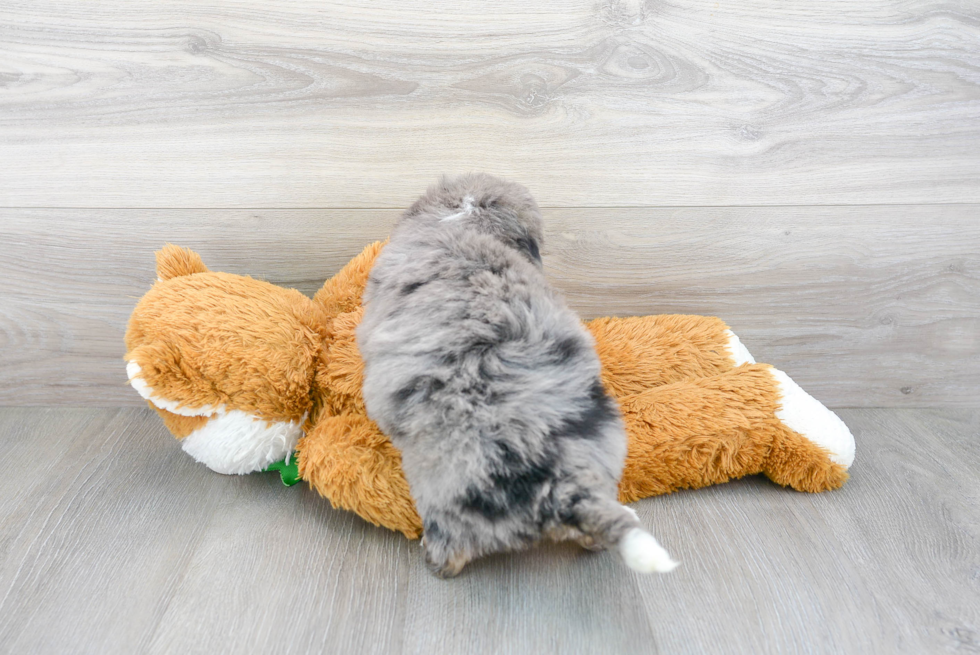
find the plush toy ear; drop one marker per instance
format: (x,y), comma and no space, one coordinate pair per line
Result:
(174,261)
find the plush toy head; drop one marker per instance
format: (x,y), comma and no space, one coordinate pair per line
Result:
(228,361)
(250,376)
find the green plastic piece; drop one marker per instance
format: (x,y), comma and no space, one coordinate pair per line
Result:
(288,472)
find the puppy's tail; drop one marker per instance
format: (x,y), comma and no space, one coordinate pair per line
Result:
(644,554)
(613,524)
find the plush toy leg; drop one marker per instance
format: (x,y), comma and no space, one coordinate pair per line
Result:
(809,427)
(686,434)
(642,352)
(703,431)
(344,455)
(351,463)
(342,293)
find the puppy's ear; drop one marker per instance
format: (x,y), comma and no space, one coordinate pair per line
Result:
(529,246)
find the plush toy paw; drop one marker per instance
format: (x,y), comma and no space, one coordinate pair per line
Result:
(804,414)
(738,352)
(814,448)
(801,412)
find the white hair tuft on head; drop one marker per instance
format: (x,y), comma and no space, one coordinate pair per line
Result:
(467,210)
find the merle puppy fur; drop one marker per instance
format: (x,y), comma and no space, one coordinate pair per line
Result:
(489,385)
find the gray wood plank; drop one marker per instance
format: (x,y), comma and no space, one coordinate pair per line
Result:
(619,102)
(280,572)
(885,565)
(126,545)
(113,541)
(864,306)
(92,524)
(555,599)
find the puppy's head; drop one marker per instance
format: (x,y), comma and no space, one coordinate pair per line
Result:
(487,204)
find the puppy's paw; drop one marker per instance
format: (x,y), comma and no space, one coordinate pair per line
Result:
(444,565)
(589,542)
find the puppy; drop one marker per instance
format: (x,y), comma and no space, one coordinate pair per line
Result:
(489,385)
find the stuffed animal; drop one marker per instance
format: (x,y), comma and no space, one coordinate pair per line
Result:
(254,377)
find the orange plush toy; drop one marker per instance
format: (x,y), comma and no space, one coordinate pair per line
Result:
(252,377)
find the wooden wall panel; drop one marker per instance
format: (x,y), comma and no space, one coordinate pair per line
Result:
(863,306)
(179,103)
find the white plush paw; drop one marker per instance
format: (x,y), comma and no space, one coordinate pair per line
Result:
(740,354)
(803,413)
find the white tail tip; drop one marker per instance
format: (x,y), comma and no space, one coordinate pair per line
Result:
(644,554)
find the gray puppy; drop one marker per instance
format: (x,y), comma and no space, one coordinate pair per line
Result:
(489,385)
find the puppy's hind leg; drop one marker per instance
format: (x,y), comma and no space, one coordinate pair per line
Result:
(444,557)
(445,566)
(589,542)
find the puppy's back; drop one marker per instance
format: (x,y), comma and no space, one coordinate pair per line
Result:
(488,384)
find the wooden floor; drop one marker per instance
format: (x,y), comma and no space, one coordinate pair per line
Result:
(114,541)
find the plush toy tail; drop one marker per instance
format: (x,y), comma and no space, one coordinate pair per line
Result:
(174,261)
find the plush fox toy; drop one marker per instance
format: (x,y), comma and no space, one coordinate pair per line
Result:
(251,377)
